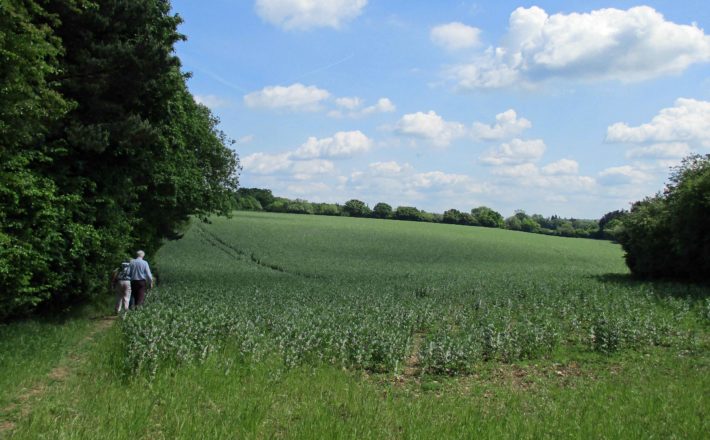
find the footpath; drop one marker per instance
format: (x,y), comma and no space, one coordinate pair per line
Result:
(21,406)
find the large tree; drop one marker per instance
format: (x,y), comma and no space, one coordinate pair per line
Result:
(103,147)
(668,235)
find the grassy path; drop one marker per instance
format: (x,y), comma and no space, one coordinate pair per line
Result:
(19,405)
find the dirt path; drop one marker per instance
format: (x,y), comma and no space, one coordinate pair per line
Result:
(22,405)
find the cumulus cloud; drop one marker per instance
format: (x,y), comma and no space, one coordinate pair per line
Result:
(308,14)
(265,163)
(351,107)
(623,175)
(605,44)
(455,36)
(293,97)
(669,150)
(564,177)
(507,125)
(342,144)
(283,163)
(431,127)
(438,179)
(383,105)
(686,121)
(562,166)
(350,103)
(212,101)
(311,158)
(515,151)
(390,168)
(305,170)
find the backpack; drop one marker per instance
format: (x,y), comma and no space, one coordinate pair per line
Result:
(124,272)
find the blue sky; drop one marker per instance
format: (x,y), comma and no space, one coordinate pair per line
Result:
(555,107)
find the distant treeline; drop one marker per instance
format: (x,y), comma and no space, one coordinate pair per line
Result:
(103,149)
(258,199)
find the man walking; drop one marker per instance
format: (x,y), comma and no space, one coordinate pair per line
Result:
(140,277)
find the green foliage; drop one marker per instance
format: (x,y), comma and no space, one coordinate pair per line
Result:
(667,235)
(263,196)
(247,203)
(358,294)
(407,213)
(327,209)
(382,210)
(485,216)
(356,208)
(103,147)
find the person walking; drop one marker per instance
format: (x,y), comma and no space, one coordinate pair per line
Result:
(121,283)
(140,278)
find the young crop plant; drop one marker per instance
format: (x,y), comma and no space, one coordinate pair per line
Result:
(367,295)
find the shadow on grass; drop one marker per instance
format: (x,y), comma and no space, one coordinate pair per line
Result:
(661,287)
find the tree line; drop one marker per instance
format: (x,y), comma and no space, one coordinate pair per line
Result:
(102,147)
(260,199)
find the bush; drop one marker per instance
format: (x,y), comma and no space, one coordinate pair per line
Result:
(667,235)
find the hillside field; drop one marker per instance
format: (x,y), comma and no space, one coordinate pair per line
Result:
(279,325)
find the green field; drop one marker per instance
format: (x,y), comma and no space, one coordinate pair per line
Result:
(277,325)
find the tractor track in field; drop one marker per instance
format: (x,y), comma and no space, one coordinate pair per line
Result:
(236,253)
(412,365)
(21,407)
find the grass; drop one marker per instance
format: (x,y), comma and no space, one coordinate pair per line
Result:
(250,312)
(31,348)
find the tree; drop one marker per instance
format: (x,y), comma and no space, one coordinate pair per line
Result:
(668,235)
(452,216)
(264,196)
(485,216)
(407,213)
(356,208)
(382,210)
(102,146)
(514,223)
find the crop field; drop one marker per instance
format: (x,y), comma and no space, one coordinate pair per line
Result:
(399,298)
(287,326)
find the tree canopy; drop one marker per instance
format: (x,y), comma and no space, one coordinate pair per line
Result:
(668,235)
(102,147)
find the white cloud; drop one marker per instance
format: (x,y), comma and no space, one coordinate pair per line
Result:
(350,103)
(342,144)
(670,150)
(383,105)
(507,125)
(307,14)
(520,170)
(562,166)
(305,170)
(388,168)
(604,44)
(623,175)
(455,36)
(293,97)
(212,101)
(264,163)
(431,127)
(529,175)
(353,110)
(437,179)
(687,121)
(515,151)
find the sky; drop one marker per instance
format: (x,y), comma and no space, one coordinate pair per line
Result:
(571,108)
